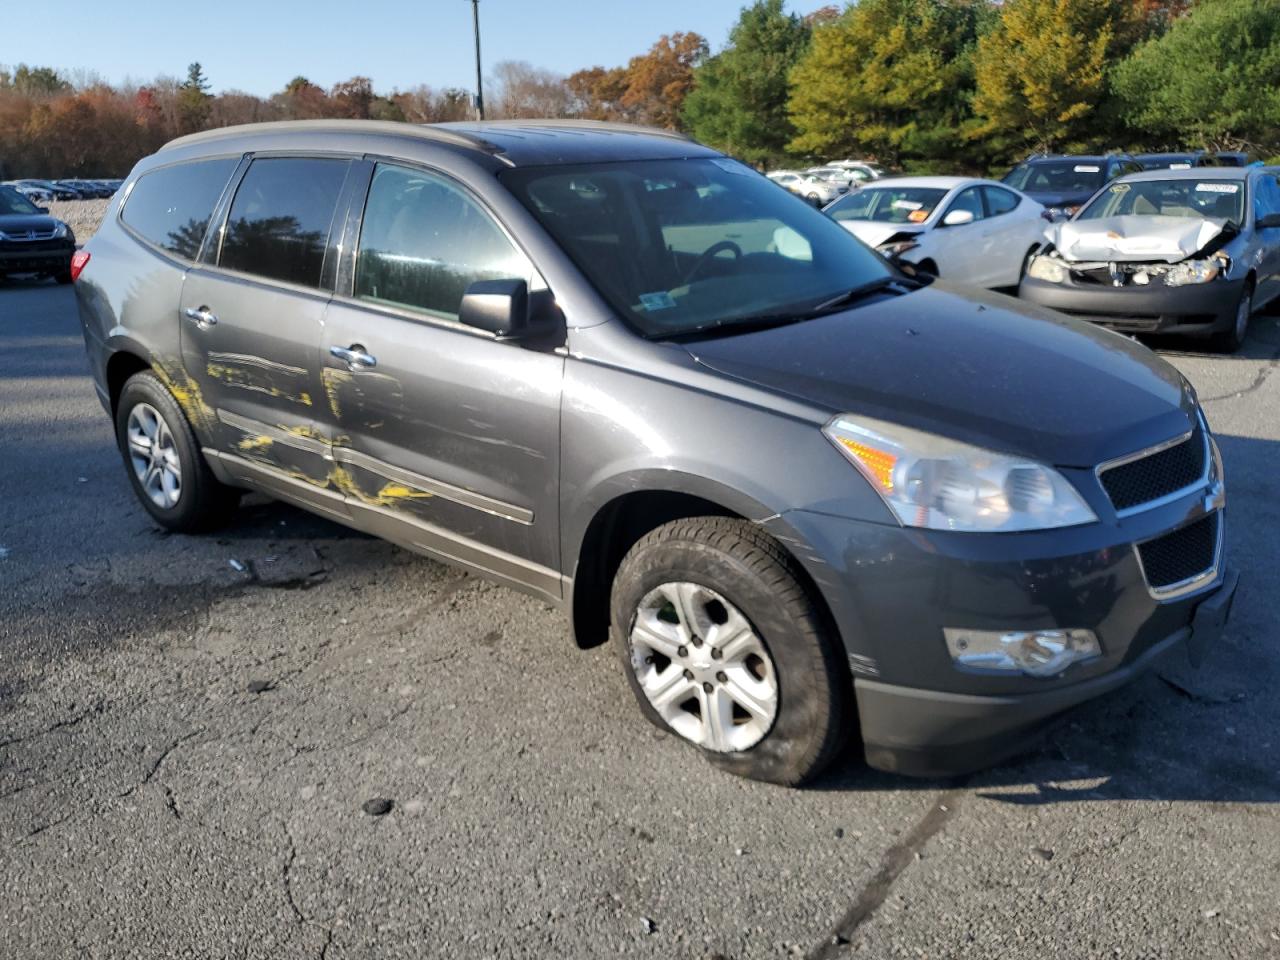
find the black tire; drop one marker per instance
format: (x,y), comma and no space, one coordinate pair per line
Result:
(203,503)
(1232,339)
(751,571)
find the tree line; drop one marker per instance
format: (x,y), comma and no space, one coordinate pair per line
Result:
(915,84)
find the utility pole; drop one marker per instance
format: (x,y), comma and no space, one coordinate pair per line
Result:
(475,19)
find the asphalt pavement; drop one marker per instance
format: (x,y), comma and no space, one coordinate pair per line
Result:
(192,727)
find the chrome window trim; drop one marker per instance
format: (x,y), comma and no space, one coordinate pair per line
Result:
(1182,588)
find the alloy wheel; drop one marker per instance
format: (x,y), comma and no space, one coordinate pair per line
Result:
(154,457)
(703,668)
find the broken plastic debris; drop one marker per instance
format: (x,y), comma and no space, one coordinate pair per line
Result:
(236,565)
(377,806)
(649,925)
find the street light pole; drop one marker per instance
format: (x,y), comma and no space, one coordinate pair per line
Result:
(475,19)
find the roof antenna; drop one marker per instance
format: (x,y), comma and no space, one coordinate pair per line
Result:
(475,19)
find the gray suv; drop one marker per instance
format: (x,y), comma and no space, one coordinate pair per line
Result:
(811,497)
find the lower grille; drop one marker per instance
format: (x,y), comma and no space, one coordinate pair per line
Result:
(1183,555)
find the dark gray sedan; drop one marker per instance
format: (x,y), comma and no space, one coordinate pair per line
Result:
(1193,252)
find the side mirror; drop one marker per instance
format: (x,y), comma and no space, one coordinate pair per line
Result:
(1268,222)
(957,218)
(506,309)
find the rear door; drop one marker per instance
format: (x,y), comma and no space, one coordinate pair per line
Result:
(445,437)
(252,315)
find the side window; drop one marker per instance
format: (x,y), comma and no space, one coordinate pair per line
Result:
(279,222)
(967,200)
(424,241)
(1000,202)
(171,207)
(1266,198)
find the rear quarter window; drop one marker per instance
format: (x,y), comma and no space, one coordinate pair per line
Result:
(170,207)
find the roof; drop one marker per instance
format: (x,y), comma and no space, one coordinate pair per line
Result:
(515,142)
(929,183)
(1195,173)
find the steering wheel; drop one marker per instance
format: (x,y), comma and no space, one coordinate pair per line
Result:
(706,256)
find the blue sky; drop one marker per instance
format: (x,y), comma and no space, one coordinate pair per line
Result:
(259,45)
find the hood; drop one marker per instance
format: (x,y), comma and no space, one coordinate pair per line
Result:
(22,222)
(978,367)
(1048,199)
(872,232)
(1134,237)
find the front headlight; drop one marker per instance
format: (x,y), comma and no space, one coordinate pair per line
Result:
(1047,268)
(897,249)
(940,484)
(1192,271)
(60,230)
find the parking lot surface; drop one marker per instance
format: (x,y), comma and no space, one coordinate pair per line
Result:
(190,728)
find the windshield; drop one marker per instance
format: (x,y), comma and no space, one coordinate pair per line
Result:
(1212,199)
(887,204)
(1167,161)
(12,202)
(1057,176)
(676,246)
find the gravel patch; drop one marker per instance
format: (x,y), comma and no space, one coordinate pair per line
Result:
(83,216)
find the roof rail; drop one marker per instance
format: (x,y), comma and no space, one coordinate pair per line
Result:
(604,126)
(424,131)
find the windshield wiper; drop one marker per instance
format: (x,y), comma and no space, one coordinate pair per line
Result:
(849,297)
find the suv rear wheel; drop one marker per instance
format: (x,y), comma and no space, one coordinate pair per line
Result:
(724,647)
(162,457)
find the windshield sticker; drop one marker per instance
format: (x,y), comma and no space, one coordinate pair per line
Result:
(733,166)
(1217,188)
(1087,168)
(918,216)
(1120,188)
(657,301)
(906,205)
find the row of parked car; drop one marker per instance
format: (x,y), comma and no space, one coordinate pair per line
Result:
(42,191)
(1167,243)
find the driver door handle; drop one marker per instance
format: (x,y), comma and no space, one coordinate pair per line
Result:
(354,356)
(202,317)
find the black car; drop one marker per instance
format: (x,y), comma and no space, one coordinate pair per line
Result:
(31,241)
(1064,183)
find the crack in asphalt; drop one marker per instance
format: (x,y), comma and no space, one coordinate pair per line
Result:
(1258,381)
(286,877)
(892,863)
(159,762)
(97,708)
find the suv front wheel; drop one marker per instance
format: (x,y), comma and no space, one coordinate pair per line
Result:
(162,457)
(724,647)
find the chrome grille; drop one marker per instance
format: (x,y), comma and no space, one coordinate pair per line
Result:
(1157,474)
(1177,559)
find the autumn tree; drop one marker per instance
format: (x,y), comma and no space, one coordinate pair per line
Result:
(597,92)
(523,90)
(1213,80)
(888,79)
(351,99)
(1042,71)
(739,97)
(302,100)
(658,81)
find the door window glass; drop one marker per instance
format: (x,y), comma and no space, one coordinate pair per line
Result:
(1266,196)
(967,200)
(1000,201)
(279,222)
(424,241)
(170,207)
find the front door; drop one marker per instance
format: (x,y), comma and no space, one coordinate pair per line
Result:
(964,247)
(446,439)
(252,317)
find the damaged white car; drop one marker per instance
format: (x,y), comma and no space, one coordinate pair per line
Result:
(1192,252)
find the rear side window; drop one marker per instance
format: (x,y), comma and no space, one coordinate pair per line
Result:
(1000,201)
(279,222)
(424,241)
(171,207)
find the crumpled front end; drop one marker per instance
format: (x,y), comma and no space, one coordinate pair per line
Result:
(1141,273)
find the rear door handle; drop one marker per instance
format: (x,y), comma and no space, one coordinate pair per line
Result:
(354,356)
(202,317)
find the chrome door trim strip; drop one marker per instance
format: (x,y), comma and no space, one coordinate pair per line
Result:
(276,434)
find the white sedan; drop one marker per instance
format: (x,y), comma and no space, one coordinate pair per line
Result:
(815,189)
(975,231)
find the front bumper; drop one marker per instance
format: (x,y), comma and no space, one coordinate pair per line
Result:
(36,257)
(927,733)
(892,591)
(1194,309)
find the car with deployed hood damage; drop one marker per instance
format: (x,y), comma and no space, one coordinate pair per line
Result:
(1192,252)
